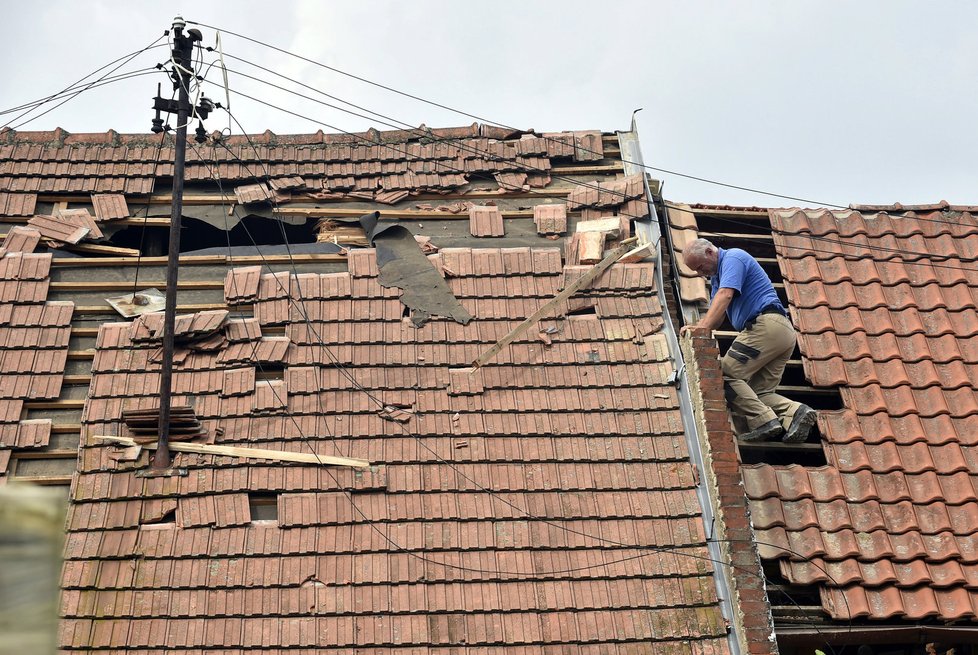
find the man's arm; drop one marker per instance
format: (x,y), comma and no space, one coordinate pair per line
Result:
(714,315)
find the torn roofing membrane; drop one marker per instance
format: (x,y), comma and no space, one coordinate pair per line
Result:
(404,266)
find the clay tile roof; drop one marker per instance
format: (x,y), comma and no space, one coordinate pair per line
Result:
(582,431)
(110,206)
(890,521)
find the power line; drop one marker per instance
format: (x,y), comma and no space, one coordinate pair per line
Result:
(509,127)
(488,156)
(895,251)
(125,60)
(109,80)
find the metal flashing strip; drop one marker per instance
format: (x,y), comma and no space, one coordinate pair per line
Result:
(631,155)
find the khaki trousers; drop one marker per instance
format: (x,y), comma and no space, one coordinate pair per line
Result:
(752,370)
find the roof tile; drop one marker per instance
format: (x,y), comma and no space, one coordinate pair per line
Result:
(110,206)
(486,221)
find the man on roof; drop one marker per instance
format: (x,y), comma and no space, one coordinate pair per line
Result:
(754,363)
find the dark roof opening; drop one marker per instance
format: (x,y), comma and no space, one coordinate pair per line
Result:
(263,506)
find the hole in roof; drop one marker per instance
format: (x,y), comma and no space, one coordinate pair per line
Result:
(200,235)
(263,506)
(586,310)
(270,371)
(168,518)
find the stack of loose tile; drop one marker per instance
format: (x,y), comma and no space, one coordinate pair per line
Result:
(683,229)
(143,424)
(550,219)
(885,303)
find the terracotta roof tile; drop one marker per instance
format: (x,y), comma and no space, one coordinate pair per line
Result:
(110,207)
(239,381)
(80,218)
(17,204)
(550,219)
(58,230)
(486,221)
(21,239)
(624,453)
(241,285)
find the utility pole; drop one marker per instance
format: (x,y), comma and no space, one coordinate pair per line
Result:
(181,73)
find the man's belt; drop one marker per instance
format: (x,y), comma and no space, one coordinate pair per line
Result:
(768,309)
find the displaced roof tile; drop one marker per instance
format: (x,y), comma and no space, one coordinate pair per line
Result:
(110,206)
(486,221)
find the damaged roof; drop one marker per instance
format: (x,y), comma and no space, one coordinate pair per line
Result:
(543,502)
(469,527)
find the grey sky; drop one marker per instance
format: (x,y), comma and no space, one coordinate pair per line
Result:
(835,101)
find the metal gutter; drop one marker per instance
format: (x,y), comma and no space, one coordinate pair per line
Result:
(650,232)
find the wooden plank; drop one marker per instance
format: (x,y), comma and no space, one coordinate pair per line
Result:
(46,480)
(247,453)
(187,285)
(569,291)
(96,249)
(47,454)
(386,214)
(746,213)
(781,446)
(183,309)
(198,260)
(54,404)
(143,222)
(733,235)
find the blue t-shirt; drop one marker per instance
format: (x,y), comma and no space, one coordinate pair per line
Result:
(739,271)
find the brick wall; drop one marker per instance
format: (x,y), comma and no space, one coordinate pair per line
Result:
(733,528)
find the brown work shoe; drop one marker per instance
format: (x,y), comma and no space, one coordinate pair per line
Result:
(801,425)
(770,430)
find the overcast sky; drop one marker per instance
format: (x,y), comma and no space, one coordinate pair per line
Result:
(837,102)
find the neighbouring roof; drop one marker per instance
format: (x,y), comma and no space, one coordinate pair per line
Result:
(885,301)
(592,539)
